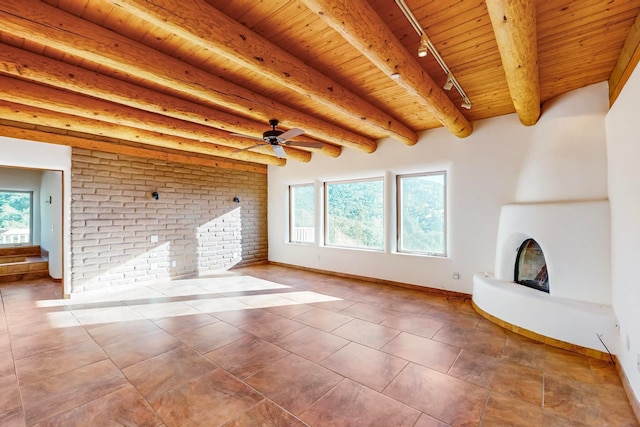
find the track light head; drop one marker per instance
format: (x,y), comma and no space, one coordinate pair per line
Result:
(423,47)
(466,104)
(449,83)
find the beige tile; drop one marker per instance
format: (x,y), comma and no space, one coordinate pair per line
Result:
(423,351)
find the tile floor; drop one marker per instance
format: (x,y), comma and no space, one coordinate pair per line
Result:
(273,346)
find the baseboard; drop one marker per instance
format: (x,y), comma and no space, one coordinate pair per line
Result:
(633,399)
(427,289)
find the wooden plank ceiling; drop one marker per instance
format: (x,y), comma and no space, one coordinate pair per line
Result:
(177,79)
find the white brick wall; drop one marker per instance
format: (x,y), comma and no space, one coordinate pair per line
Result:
(199,227)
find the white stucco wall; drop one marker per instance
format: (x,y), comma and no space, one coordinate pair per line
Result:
(482,176)
(35,155)
(484,173)
(623,152)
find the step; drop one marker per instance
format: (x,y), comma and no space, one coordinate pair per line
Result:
(16,268)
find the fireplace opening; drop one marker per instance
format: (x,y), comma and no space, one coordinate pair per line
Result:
(531,267)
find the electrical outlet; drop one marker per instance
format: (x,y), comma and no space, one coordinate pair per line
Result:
(173,263)
(154,239)
(456,275)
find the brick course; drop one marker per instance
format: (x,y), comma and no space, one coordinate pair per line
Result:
(199,227)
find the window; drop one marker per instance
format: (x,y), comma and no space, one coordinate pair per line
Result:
(302,209)
(354,214)
(422,213)
(15,217)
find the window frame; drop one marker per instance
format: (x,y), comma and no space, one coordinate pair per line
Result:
(326,185)
(31,215)
(399,205)
(292,215)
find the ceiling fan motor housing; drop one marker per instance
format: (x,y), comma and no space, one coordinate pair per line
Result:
(271,136)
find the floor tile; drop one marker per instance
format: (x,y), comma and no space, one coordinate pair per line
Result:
(369,312)
(266,413)
(590,404)
(290,311)
(427,421)
(440,396)
(351,403)
(453,318)
(212,399)
(138,349)
(246,356)
(524,351)
(210,337)
(6,363)
(365,365)
(367,333)
(312,344)
(9,393)
(571,365)
(271,327)
(281,383)
(47,340)
(13,418)
(46,364)
(180,324)
(423,351)
(166,371)
(326,320)
(507,411)
(113,332)
(125,407)
(472,340)
(416,325)
(54,395)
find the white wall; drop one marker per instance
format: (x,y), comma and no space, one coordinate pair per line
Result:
(492,167)
(623,152)
(36,155)
(18,179)
(51,220)
(482,176)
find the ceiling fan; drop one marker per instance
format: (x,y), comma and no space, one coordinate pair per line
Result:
(277,139)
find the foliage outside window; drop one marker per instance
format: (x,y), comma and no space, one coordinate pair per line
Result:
(15,217)
(302,213)
(422,213)
(354,214)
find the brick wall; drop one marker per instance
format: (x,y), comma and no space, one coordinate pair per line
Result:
(198,226)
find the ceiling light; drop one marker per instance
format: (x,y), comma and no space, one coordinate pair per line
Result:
(466,104)
(449,83)
(395,76)
(423,48)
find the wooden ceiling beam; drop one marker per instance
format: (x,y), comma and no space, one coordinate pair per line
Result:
(359,24)
(35,68)
(49,26)
(237,43)
(514,24)
(115,148)
(42,117)
(54,100)
(627,61)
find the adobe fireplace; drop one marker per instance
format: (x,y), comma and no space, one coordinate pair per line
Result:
(572,273)
(531,267)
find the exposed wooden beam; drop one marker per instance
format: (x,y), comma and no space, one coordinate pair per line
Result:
(108,147)
(192,21)
(54,100)
(48,26)
(36,68)
(41,117)
(627,61)
(359,24)
(514,25)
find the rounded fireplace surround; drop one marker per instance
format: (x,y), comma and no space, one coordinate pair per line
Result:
(575,240)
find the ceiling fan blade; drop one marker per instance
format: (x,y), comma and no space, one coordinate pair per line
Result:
(246,136)
(247,148)
(291,133)
(279,151)
(306,144)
